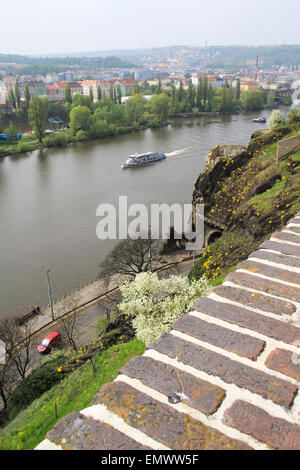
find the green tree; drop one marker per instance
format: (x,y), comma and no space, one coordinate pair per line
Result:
(91,95)
(26,92)
(99,93)
(119,94)
(136,89)
(111,92)
(81,100)
(135,108)
(252,100)
(238,90)
(160,106)
(79,118)
(181,92)
(17,95)
(11,97)
(37,116)
(271,99)
(199,94)
(205,89)
(11,133)
(1,120)
(191,93)
(68,94)
(159,87)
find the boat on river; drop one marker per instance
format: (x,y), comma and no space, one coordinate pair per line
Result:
(261,119)
(143,159)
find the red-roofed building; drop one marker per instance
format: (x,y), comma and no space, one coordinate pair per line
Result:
(246,86)
(52,93)
(75,87)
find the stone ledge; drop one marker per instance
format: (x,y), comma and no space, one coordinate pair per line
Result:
(276,432)
(164,378)
(235,341)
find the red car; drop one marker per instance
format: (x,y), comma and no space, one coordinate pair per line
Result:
(47,344)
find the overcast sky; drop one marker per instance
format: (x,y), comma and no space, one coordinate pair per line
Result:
(52,26)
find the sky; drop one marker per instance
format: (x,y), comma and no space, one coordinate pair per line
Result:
(61,26)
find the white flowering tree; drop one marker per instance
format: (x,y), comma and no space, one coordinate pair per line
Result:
(154,304)
(275,120)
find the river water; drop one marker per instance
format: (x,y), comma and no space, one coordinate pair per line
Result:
(48,200)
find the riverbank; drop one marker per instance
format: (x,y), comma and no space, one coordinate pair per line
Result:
(64,138)
(28,143)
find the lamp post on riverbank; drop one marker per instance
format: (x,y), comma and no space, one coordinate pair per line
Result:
(50,294)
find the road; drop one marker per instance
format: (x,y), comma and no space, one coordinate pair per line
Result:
(87,317)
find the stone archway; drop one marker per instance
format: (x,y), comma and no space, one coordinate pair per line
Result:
(212,236)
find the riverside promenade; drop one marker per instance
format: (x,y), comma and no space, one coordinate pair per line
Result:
(84,297)
(225,377)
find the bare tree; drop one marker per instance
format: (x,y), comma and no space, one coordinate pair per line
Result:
(131,257)
(69,321)
(5,375)
(109,306)
(18,341)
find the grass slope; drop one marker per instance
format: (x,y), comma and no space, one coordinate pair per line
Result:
(74,393)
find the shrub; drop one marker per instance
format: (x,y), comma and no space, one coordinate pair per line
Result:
(294,116)
(100,128)
(154,304)
(40,380)
(81,135)
(154,121)
(56,140)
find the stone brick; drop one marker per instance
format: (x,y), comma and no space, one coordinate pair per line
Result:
(265,285)
(230,371)
(168,380)
(283,248)
(247,319)
(275,432)
(289,237)
(78,432)
(271,271)
(278,258)
(294,229)
(243,345)
(295,220)
(286,362)
(255,300)
(162,422)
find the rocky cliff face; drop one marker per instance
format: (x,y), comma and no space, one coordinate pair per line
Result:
(251,193)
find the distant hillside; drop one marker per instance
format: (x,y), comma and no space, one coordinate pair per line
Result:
(228,57)
(69,61)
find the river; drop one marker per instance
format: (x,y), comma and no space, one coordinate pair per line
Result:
(48,199)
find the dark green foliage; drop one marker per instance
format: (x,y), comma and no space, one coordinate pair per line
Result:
(56,140)
(41,379)
(67,94)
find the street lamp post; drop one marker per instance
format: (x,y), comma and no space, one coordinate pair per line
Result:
(50,294)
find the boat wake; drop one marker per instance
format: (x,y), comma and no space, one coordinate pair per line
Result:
(179,152)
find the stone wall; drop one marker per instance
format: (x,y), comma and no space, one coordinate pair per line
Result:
(288,146)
